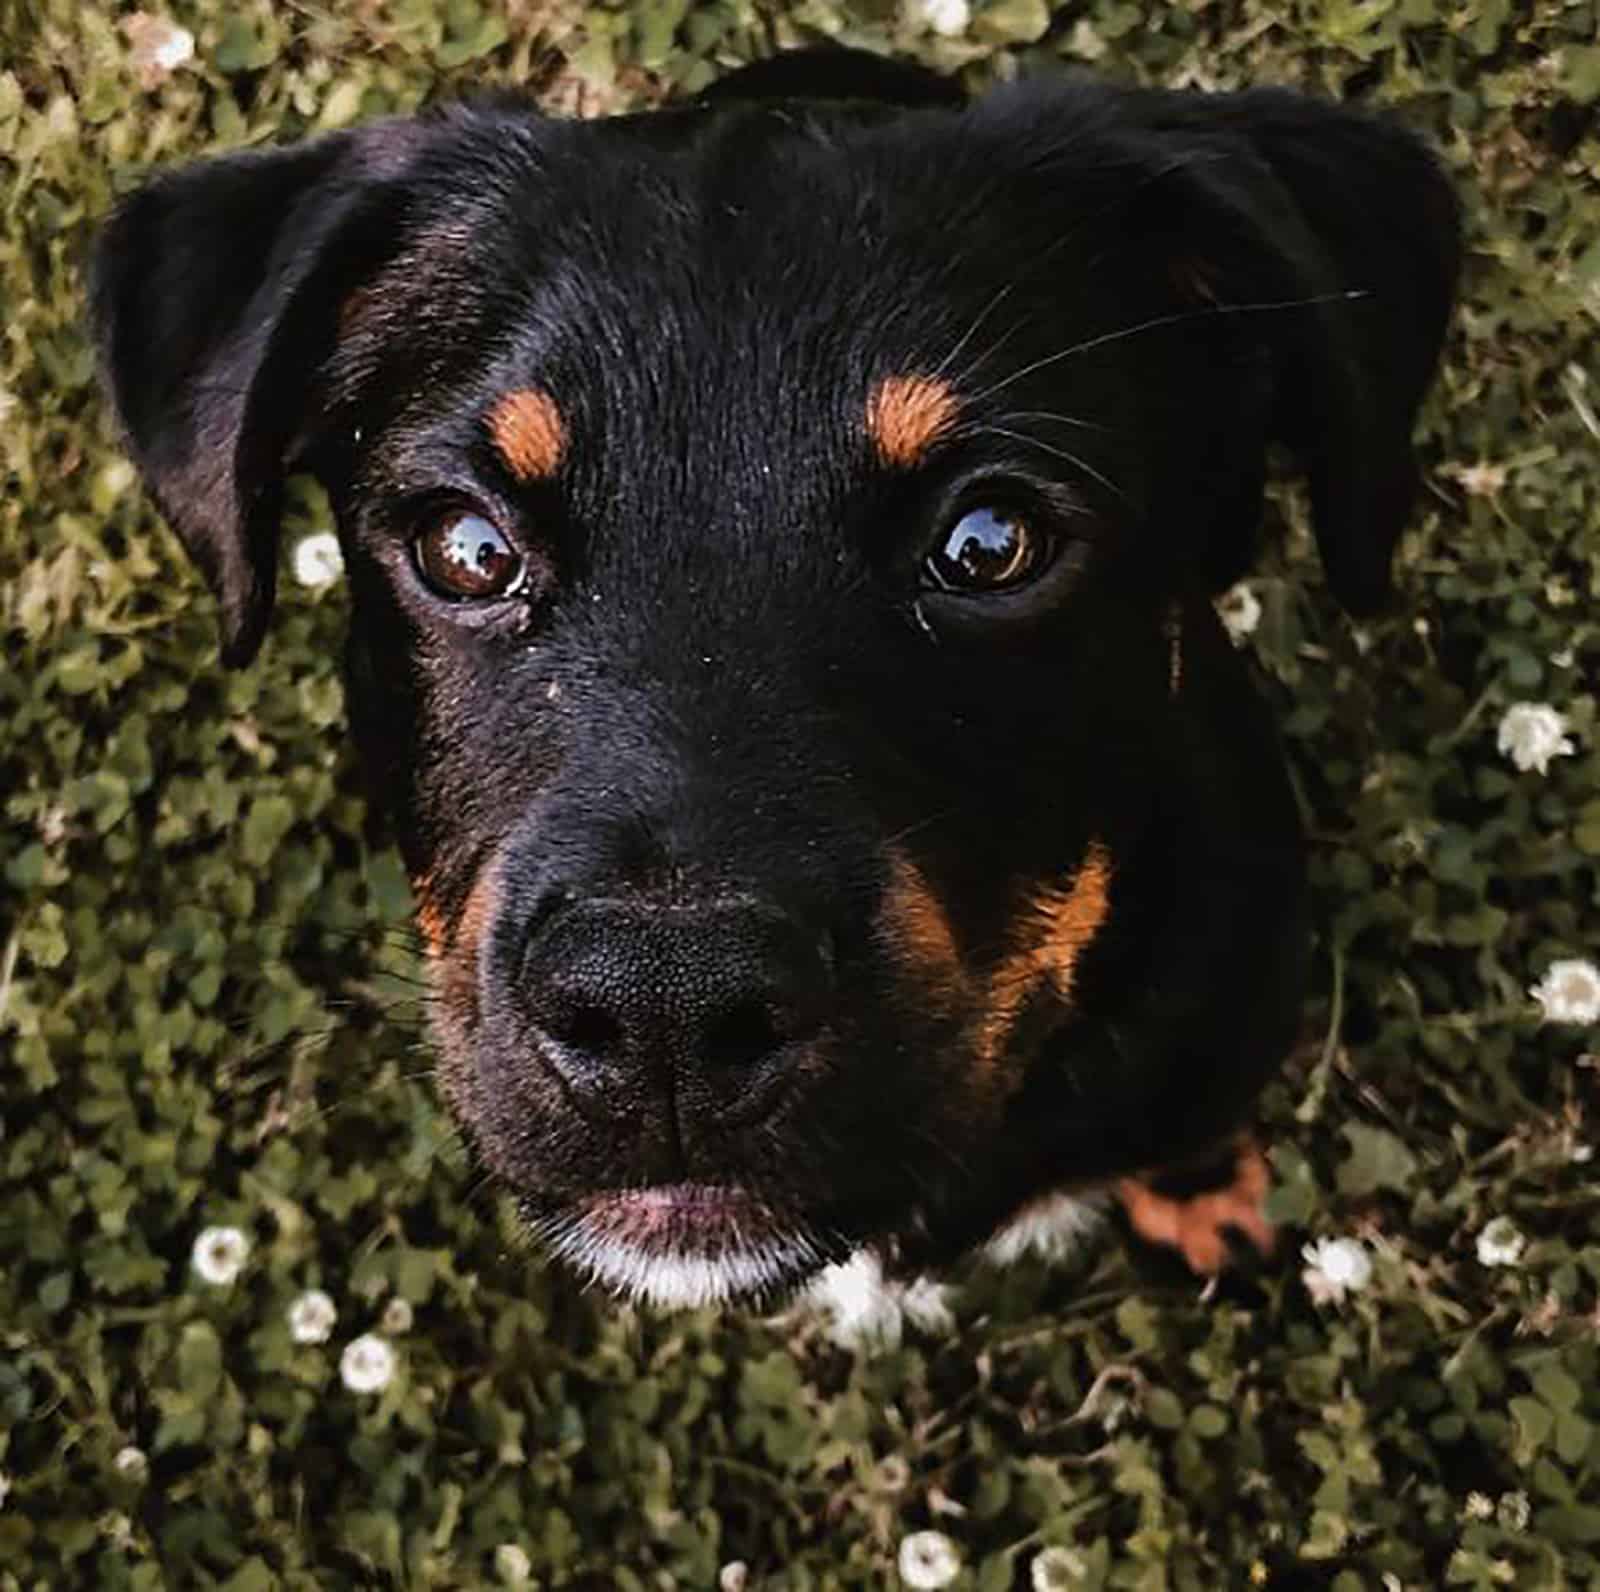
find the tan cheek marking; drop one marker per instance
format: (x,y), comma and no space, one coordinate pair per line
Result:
(1063,922)
(459,969)
(906,415)
(430,920)
(529,433)
(914,924)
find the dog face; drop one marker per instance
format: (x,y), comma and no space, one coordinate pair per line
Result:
(778,534)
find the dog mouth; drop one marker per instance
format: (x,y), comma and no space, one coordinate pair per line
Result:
(681,1246)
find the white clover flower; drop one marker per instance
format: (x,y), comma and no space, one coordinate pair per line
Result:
(1239,609)
(949,18)
(397,1317)
(1057,1570)
(1569,992)
(1531,733)
(157,46)
(512,1564)
(1512,1512)
(317,560)
(131,1462)
(219,1255)
(928,1559)
(1500,1243)
(1335,1267)
(734,1576)
(367,1364)
(861,1309)
(1479,1506)
(312,1317)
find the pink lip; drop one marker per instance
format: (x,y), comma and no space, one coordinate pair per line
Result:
(675,1212)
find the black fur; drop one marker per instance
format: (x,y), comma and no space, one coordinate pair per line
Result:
(737,688)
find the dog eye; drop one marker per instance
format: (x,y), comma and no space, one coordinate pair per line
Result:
(987,549)
(463,555)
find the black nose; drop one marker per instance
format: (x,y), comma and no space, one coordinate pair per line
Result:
(713,1000)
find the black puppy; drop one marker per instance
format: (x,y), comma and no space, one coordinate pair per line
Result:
(782,533)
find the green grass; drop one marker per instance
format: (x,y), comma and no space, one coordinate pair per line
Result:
(207,1013)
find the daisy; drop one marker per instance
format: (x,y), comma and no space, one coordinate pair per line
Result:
(1057,1570)
(928,1559)
(317,560)
(1569,992)
(219,1255)
(367,1364)
(1531,733)
(1335,1267)
(1500,1243)
(311,1317)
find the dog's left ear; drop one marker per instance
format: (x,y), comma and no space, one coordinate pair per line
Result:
(1326,241)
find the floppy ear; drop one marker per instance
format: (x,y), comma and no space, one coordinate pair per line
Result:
(209,343)
(1347,221)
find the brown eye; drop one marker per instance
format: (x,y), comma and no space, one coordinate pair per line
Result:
(987,549)
(463,555)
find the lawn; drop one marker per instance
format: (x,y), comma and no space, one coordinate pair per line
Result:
(209,1013)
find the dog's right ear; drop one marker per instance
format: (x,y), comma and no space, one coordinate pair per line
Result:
(210,342)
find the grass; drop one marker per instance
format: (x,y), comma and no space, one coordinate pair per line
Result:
(207,996)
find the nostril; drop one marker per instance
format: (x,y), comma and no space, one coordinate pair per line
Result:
(591,1030)
(741,1035)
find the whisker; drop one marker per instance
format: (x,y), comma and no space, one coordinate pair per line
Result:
(1155,323)
(1060,453)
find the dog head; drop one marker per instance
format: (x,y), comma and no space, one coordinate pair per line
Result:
(764,523)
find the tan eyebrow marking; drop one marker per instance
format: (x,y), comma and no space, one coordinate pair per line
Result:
(906,415)
(528,433)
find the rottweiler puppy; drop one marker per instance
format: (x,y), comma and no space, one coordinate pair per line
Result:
(782,533)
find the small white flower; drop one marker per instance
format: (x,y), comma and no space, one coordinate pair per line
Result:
(1239,609)
(131,1462)
(950,18)
(396,1317)
(1512,1511)
(312,1316)
(734,1576)
(1569,992)
(5,1487)
(219,1255)
(157,46)
(317,560)
(1479,1506)
(1500,1243)
(861,1309)
(512,1564)
(1581,1154)
(1335,1267)
(1057,1570)
(367,1364)
(1531,733)
(928,1559)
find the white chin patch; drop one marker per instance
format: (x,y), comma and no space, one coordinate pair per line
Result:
(680,1279)
(1056,1228)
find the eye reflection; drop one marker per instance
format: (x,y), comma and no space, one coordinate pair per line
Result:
(987,549)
